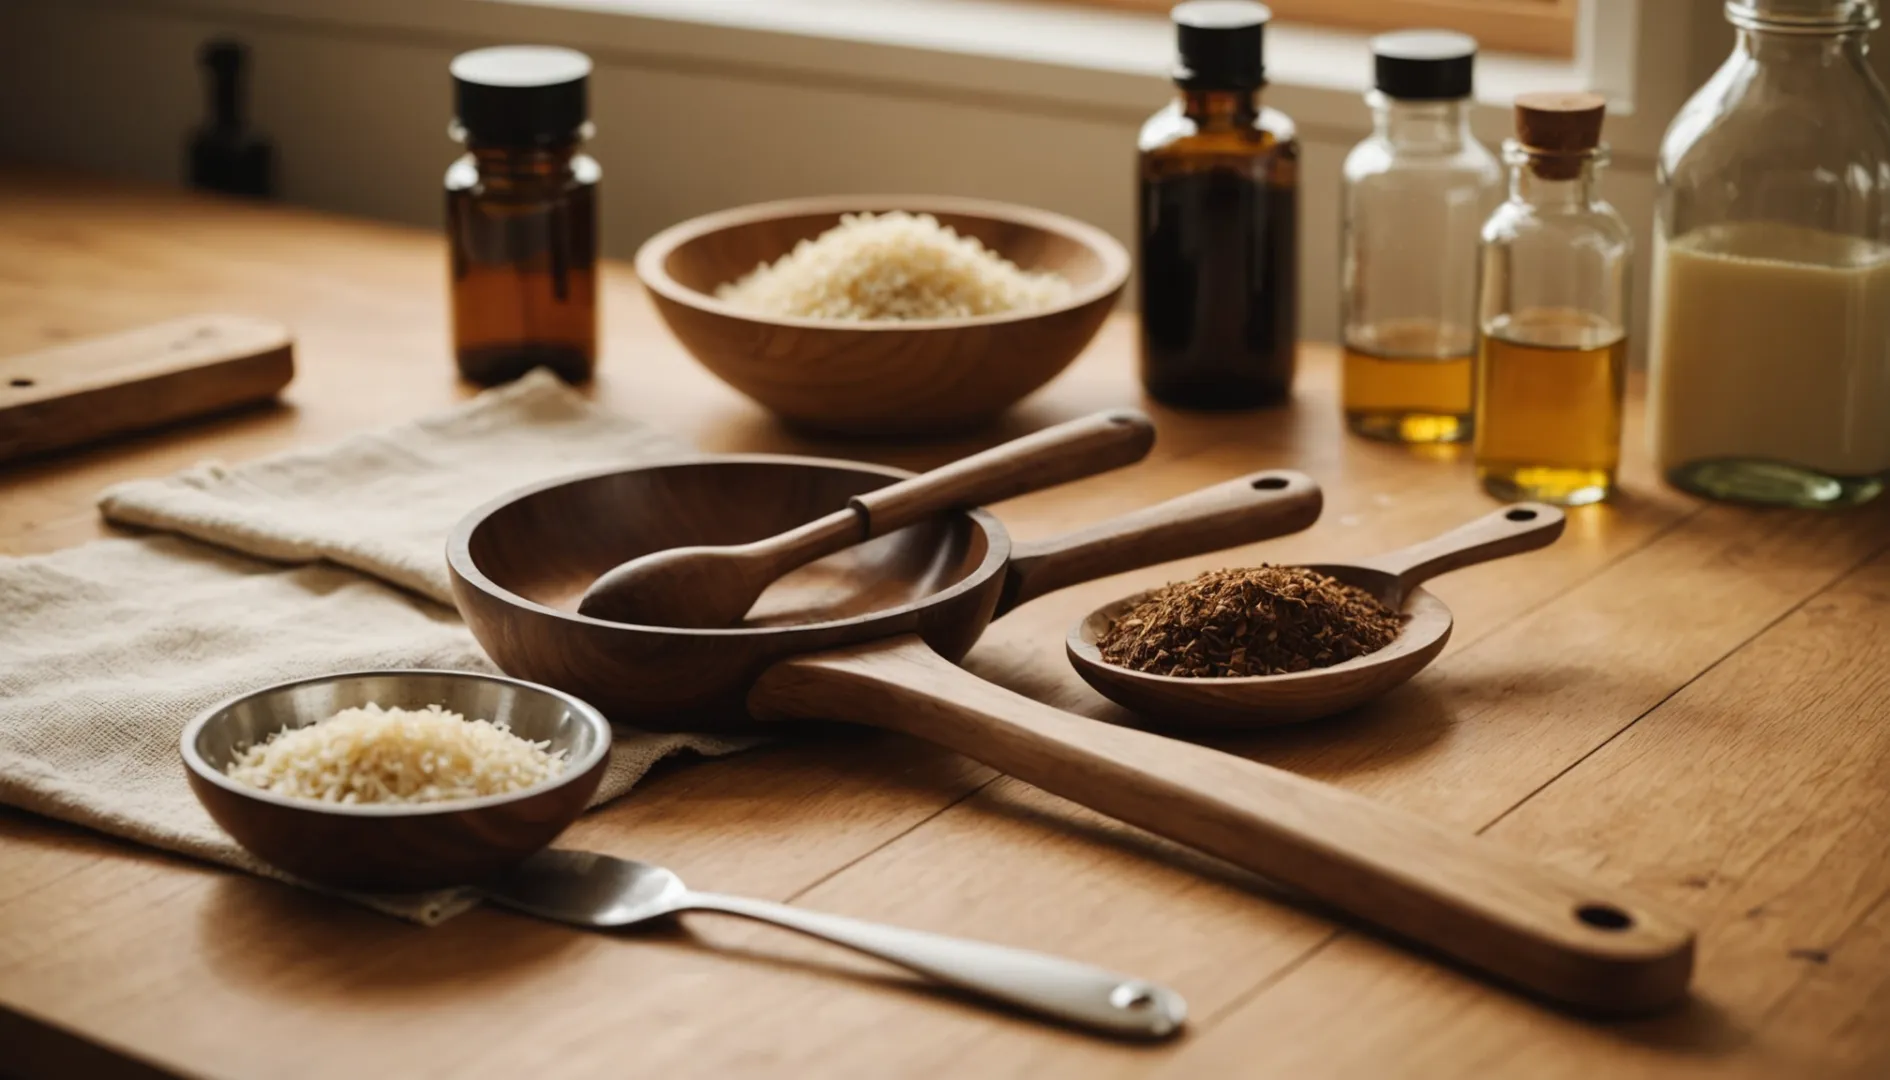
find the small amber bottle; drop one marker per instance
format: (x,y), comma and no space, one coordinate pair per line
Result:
(1217,226)
(521,215)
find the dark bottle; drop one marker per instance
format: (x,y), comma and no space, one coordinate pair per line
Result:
(226,154)
(1218,221)
(521,215)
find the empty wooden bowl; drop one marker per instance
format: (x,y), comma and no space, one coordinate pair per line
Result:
(407,846)
(871,378)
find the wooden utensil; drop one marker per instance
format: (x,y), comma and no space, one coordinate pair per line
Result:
(886,377)
(1265,700)
(925,595)
(715,585)
(85,391)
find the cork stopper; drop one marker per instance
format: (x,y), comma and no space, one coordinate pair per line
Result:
(1559,130)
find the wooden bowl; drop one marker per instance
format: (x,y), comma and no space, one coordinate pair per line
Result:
(880,378)
(400,847)
(1225,704)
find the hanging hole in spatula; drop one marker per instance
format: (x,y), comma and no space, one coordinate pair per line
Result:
(22,383)
(1604,916)
(1270,483)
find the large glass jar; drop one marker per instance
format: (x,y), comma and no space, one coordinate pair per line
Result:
(1770,361)
(1414,196)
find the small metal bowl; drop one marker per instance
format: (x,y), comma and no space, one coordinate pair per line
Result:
(397,847)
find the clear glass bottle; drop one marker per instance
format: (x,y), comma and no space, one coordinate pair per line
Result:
(521,215)
(1218,222)
(1552,313)
(1770,359)
(1415,194)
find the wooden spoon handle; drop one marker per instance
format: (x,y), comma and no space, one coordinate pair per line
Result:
(1582,944)
(1055,455)
(1509,531)
(1244,510)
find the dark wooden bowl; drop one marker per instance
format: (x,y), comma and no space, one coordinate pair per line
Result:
(397,848)
(880,378)
(520,563)
(1234,704)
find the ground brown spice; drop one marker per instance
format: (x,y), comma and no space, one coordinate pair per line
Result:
(1270,620)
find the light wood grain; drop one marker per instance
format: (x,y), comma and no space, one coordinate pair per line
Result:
(1553,656)
(881,378)
(86,391)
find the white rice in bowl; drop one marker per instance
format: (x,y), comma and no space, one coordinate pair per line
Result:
(892,267)
(375,755)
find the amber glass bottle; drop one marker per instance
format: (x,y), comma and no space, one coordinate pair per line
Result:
(521,215)
(1218,221)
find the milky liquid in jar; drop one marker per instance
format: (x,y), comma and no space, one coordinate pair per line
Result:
(1771,360)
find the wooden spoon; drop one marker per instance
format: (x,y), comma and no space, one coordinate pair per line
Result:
(1265,700)
(710,586)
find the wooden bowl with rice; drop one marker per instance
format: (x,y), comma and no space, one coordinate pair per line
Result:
(896,329)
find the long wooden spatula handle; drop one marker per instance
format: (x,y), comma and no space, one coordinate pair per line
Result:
(1580,943)
(1244,510)
(1055,455)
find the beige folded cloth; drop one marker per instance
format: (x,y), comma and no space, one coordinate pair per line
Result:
(108,649)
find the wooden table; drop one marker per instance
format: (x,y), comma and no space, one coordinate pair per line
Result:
(1690,699)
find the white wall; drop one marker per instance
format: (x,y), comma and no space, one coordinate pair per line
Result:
(357,99)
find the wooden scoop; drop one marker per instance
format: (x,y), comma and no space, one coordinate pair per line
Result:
(1265,700)
(711,586)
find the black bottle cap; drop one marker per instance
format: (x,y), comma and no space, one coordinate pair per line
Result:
(521,95)
(1222,44)
(1424,65)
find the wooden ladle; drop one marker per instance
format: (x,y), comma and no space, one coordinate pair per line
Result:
(715,585)
(1265,700)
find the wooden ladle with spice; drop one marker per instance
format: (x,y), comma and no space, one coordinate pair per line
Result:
(1275,645)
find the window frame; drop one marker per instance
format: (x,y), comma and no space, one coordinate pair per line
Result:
(1537,27)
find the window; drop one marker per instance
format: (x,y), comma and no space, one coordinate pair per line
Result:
(1533,26)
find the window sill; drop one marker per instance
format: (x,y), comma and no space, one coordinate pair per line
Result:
(1043,56)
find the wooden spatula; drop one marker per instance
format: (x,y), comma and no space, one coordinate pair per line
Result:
(85,391)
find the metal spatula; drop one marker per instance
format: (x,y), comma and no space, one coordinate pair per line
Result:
(600,891)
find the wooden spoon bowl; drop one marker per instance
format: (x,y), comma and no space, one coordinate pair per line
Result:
(1268,700)
(882,377)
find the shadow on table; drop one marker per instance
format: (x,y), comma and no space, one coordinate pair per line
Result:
(339,948)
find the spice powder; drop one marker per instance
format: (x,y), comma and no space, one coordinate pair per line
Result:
(1270,620)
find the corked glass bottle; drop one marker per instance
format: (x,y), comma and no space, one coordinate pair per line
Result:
(1218,221)
(521,215)
(1552,310)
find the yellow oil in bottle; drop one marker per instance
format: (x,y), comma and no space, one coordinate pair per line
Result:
(1408,381)
(1549,385)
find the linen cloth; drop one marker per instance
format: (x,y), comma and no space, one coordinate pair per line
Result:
(305,563)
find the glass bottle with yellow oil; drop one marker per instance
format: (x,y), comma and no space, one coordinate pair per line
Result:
(1552,313)
(1414,195)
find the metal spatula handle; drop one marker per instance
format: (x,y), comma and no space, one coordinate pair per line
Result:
(1063,989)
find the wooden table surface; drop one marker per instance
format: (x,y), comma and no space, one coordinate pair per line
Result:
(1692,700)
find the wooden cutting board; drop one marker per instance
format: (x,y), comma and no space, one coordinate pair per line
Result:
(84,391)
